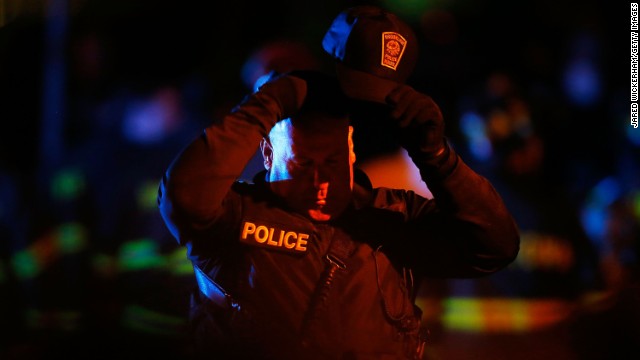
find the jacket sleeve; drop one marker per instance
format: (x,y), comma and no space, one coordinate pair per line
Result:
(194,186)
(466,229)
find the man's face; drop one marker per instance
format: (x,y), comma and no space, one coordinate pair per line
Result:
(311,167)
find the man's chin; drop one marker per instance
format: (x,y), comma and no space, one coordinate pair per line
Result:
(318,215)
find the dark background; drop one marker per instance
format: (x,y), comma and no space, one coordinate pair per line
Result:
(73,74)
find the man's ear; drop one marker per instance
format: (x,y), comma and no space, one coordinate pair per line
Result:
(267,153)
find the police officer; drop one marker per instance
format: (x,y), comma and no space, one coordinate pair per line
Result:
(309,260)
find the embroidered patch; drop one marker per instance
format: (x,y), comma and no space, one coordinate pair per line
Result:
(274,236)
(393,45)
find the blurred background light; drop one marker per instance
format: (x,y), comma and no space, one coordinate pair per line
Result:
(582,79)
(473,127)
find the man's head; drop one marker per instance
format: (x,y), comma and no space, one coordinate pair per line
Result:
(309,160)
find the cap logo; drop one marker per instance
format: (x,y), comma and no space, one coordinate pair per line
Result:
(393,45)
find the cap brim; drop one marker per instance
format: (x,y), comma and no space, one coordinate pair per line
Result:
(363,86)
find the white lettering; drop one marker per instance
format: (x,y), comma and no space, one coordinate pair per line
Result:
(634,66)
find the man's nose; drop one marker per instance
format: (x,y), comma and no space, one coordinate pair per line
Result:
(320,177)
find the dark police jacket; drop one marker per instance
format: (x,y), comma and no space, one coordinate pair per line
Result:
(284,301)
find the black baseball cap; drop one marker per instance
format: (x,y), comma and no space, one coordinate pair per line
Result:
(375,51)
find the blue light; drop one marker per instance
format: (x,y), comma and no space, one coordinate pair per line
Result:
(582,82)
(594,223)
(150,119)
(633,134)
(606,192)
(474,129)
(261,81)
(595,214)
(472,124)
(481,149)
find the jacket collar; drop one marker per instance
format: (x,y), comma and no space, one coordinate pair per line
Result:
(362,195)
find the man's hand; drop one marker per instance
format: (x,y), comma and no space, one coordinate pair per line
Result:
(420,121)
(286,91)
(301,90)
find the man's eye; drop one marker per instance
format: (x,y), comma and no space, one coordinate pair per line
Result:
(333,161)
(303,163)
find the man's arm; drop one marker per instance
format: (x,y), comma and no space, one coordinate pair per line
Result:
(475,233)
(196,182)
(472,233)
